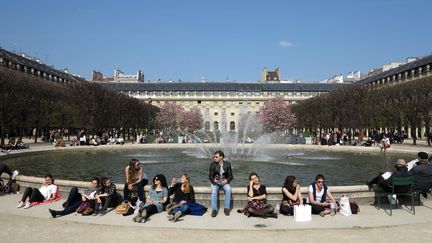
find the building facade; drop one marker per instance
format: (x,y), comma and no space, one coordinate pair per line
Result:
(25,64)
(221,104)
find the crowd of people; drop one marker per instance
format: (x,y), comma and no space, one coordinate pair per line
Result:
(102,194)
(14,143)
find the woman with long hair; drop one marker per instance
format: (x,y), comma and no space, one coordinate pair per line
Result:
(183,195)
(157,198)
(291,195)
(257,198)
(135,177)
(106,198)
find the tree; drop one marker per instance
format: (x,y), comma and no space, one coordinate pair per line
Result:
(191,120)
(276,115)
(169,117)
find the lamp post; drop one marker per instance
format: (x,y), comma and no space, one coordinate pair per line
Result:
(148,116)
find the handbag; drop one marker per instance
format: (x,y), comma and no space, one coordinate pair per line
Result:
(83,206)
(345,207)
(88,211)
(302,213)
(355,209)
(123,207)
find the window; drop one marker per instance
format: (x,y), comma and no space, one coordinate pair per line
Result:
(199,101)
(207,126)
(232,126)
(216,114)
(207,111)
(232,114)
(215,126)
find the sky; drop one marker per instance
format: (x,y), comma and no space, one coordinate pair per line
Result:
(225,39)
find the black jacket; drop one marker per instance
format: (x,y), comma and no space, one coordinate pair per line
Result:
(215,171)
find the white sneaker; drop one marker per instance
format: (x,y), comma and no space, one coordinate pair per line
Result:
(27,205)
(14,174)
(20,204)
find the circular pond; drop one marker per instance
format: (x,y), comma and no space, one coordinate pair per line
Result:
(340,168)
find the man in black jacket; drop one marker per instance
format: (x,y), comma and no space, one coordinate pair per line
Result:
(220,175)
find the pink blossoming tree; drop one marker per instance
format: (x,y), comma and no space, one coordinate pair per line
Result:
(169,117)
(191,120)
(276,115)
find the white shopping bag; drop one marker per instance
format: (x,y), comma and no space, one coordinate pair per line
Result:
(302,213)
(345,208)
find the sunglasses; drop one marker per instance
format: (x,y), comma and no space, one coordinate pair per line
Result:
(320,182)
(156,179)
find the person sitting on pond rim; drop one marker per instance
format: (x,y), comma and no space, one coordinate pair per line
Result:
(257,198)
(107,197)
(220,176)
(291,195)
(135,178)
(318,193)
(157,198)
(12,176)
(75,199)
(47,191)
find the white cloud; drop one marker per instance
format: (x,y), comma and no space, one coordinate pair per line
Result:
(285,44)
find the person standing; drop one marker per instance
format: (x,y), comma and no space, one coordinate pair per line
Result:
(220,176)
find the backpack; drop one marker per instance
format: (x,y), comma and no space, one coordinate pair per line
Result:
(354,207)
(123,207)
(12,187)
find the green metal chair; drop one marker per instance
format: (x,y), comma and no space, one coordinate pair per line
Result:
(401,181)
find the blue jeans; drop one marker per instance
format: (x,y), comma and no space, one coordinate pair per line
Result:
(214,195)
(183,209)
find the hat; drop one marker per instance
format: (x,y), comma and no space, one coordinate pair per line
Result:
(422,155)
(401,162)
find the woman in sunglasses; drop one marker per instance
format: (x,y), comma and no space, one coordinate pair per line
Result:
(157,198)
(320,198)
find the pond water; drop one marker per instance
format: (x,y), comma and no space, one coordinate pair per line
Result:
(339,168)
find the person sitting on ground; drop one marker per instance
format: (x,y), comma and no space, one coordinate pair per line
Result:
(183,195)
(74,142)
(120,140)
(12,176)
(383,180)
(257,198)
(157,198)
(47,191)
(20,144)
(318,193)
(60,143)
(368,143)
(8,147)
(82,138)
(75,199)
(291,196)
(135,178)
(106,198)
